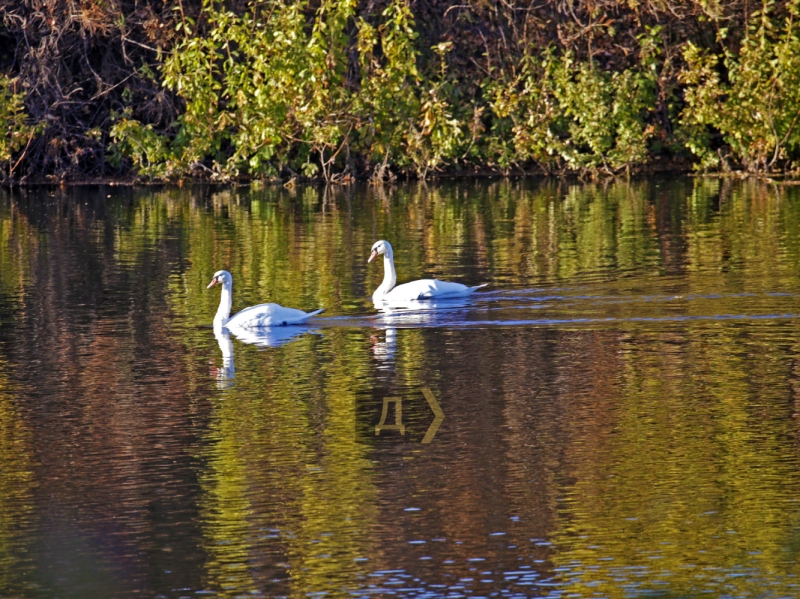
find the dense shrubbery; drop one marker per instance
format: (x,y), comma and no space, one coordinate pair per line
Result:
(560,112)
(16,132)
(338,89)
(751,96)
(267,93)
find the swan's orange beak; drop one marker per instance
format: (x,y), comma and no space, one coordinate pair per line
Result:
(213,282)
(372,256)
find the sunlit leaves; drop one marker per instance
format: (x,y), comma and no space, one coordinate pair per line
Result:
(15,129)
(267,93)
(561,112)
(288,89)
(756,106)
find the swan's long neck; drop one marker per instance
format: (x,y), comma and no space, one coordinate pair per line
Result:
(225,304)
(389,275)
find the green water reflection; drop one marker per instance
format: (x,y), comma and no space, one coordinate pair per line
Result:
(621,404)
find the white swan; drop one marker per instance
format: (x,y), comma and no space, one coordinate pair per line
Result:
(422,289)
(255,317)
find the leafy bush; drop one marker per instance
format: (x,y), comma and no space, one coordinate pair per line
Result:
(16,131)
(405,118)
(339,88)
(266,94)
(148,150)
(566,113)
(571,114)
(291,88)
(750,96)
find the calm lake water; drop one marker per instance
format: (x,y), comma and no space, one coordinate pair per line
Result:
(621,403)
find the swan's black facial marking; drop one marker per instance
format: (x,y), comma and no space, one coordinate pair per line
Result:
(378,249)
(221,278)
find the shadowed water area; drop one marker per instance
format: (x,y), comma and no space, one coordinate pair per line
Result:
(620,403)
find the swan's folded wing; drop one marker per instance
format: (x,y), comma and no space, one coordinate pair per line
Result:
(409,292)
(266,315)
(448,289)
(426,289)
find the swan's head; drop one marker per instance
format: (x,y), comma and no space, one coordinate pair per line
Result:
(223,277)
(380,247)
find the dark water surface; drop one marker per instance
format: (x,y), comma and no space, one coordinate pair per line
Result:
(620,404)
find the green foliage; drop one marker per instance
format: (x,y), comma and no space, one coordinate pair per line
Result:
(16,132)
(148,150)
(565,113)
(261,91)
(336,89)
(388,97)
(293,89)
(405,117)
(266,93)
(757,106)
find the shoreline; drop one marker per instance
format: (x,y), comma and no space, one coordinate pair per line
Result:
(785,179)
(659,166)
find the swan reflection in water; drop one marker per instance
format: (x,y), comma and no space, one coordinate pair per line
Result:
(411,314)
(226,374)
(421,312)
(384,350)
(263,337)
(271,336)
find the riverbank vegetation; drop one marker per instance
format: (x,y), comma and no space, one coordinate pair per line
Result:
(379,89)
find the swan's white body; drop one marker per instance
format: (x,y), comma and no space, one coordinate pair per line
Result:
(422,289)
(255,317)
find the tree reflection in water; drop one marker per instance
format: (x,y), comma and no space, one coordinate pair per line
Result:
(633,432)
